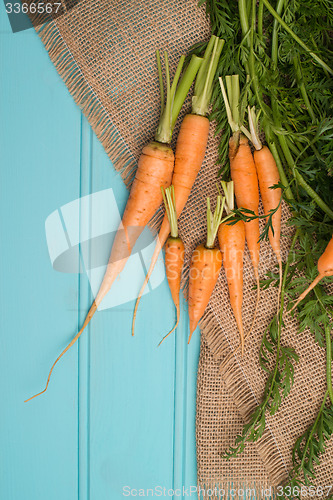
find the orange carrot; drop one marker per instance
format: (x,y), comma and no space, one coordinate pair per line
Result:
(190,151)
(205,267)
(174,252)
(268,176)
(243,171)
(190,148)
(325,268)
(155,167)
(232,244)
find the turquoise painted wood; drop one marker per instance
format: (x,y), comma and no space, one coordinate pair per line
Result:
(119,412)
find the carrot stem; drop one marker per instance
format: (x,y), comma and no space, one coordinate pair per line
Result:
(250,68)
(228,189)
(204,83)
(275,42)
(287,190)
(235,94)
(167,75)
(282,138)
(164,129)
(329,362)
(301,86)
(260,19)
(214,220)
(231,99)
(170,208)
(312,193)
(253,124)
(176,78)
(184,87)
(233,125)
(296,38)
(243,17)
(200,80)
(160,79)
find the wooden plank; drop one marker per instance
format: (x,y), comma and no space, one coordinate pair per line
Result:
(190,469)
(84,302)
(40,132)
(132,382)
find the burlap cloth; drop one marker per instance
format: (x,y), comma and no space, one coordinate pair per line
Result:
(105,52)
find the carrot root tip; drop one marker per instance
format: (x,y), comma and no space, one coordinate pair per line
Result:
(173,329)
(89,316)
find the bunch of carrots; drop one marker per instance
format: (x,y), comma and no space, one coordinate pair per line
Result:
(159,167)
(163,175)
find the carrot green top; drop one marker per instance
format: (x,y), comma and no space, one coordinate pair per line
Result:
(214,220)
(254,128)
(170,208)
(175,96)
(204,82)
(176,92)
(228,189)
(234,105)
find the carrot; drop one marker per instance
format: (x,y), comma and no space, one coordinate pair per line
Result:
(205,267)
(174,253)
(325,268)
(232,244)
(190,148)
(243,171)
(268,176)
(244,175)
(155,167)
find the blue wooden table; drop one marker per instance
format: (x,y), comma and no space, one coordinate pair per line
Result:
(118,412)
